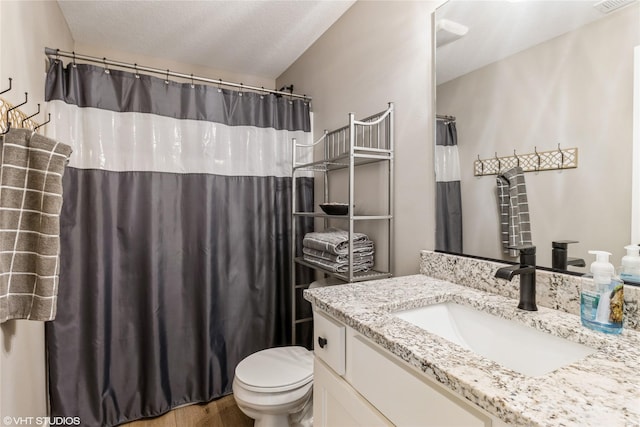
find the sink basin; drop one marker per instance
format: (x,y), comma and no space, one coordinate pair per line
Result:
(511,344)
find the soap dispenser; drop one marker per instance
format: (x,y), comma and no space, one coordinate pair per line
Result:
(630,270)
(602,296)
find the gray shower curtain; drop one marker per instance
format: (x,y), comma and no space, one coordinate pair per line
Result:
(448,196)
(175,239)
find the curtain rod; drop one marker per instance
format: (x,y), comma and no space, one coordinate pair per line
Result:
(76,56)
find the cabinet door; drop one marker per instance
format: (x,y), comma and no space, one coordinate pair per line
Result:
(336,404)
(405,398)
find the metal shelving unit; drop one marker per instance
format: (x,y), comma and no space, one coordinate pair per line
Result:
(361,142)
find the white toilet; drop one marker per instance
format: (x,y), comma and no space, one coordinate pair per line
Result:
(274,387)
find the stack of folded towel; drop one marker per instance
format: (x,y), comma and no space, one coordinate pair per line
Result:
(329,249)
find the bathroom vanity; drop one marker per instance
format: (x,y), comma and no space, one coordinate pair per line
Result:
(359,383)
(374,368)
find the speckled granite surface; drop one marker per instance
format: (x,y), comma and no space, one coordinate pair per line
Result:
(602,389)
(553,290)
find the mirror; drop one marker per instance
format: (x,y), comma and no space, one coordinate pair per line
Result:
(532,76)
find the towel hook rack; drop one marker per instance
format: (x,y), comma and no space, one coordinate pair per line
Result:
(561,165)
(33,115)
(26,99)
(42,124)
(481,165)
(534,161)
(7,90)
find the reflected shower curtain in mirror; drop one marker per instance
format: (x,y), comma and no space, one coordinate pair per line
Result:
(175,239)
(448,197)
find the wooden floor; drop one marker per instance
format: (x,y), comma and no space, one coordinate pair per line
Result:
(220,413)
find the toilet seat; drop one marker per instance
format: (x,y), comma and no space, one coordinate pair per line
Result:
(276,370)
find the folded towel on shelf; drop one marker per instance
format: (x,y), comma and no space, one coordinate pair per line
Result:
(335,241)
(364,263)
(364,250)
(515,227)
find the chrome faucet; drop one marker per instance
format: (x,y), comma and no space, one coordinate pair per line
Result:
(559,255)
(527,272)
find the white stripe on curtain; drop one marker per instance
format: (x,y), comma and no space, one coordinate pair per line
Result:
(447,163)
(147,142)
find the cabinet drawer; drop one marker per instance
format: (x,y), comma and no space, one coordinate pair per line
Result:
(329,341)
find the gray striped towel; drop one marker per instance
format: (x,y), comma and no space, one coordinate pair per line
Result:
(364,263)
(334,240)
(515,226)
(31,170)
(328,256)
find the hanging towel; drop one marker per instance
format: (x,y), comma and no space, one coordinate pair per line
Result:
(31,169)
(515,227)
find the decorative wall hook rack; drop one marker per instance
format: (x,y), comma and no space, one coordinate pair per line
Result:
(12,116)
(560,158)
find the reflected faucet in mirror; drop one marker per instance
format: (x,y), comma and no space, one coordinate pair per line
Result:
(560,255)
(527,272)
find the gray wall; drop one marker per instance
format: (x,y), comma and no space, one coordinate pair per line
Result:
(376,53)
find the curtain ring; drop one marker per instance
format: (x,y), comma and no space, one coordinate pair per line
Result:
(57,55)
(517,158)
(499,162)
(166,81)
(262,94)
(135,67)
(241,89)
(106,67)
(219,85)
(481,165)
(73,63)
(192,85)
(535,149)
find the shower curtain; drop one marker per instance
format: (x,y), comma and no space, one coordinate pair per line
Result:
(175,239)
(448,197)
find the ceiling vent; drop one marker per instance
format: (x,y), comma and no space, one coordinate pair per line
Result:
(606,6)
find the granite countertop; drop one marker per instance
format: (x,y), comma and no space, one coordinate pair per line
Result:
(602,389)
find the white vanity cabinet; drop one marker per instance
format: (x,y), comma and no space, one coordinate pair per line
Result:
(358,383)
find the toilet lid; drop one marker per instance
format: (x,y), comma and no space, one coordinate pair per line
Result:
(276,369)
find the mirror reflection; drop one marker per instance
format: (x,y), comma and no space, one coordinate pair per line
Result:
(521,78)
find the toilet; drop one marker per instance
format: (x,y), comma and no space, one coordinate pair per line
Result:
(274,387)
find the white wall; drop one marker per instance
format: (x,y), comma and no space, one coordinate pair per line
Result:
(26,27)
(574,90)
(375,53)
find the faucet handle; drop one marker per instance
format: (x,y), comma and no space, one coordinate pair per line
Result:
(562,244)
(524,249)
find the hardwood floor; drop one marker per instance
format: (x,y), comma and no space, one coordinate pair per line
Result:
(219,413)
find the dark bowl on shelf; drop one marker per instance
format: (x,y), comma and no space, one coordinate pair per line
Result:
(335,208)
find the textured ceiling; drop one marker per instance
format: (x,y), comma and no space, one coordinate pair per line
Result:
(260,38)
